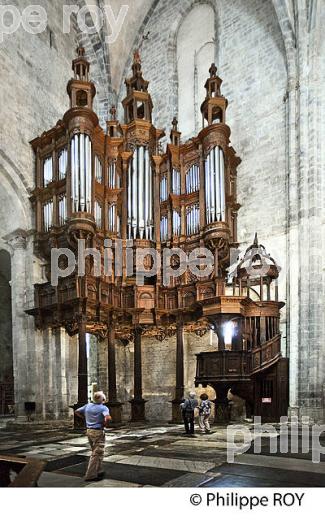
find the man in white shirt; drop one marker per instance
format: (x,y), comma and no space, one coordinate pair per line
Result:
(97,417)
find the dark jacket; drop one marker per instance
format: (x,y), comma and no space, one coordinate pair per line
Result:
(189,405)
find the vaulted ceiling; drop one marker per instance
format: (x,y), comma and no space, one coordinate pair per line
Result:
(120,50)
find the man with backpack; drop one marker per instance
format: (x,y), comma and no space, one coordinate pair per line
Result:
(188,408)
(204,413)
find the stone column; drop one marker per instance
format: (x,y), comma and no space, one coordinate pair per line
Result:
(179,391)
(113,404)
(137,403)
(22,389)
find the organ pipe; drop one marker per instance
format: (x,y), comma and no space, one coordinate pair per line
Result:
(176,182)
(130,201)
(146,194)
(140,196)
(222,186)
(48,215)
(215,197)
(98,214)
(134,193)
(163,189)
(81,173)
(112,178)
(62,210)
(98,170)
(217,182)
(150,197)
(88,194)
(164,229)
(48,171)
(192,180)
(63,163)
(141,170)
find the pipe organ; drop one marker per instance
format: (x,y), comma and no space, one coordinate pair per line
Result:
(119,184)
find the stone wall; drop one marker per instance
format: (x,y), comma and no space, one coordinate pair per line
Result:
(34,72)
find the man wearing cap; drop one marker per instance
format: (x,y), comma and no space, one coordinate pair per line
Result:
(97,417)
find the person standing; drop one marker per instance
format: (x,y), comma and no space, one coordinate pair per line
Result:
(188,409)
(204,413)
(97,416)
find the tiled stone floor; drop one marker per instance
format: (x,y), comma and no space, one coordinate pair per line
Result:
(142,456)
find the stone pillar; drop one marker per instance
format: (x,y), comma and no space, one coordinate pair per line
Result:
(137,403)
(179,391)
(113,404)
(22,389)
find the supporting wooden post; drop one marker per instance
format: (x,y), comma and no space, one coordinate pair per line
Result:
(179,391)
(82,366)
(114,405)
(137,403)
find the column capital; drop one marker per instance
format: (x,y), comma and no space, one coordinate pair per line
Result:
(17,239)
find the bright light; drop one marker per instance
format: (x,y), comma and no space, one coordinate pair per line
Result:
(88,345)
(228,332)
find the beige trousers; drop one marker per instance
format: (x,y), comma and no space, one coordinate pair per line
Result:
(97,444)
(204,423)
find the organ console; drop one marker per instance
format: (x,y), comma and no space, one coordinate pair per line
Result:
(118,185)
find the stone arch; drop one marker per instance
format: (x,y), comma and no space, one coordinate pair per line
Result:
(15,207)
(97,53)
(285,17)
(15,222)
(193,54)
(172,44)
(136,44)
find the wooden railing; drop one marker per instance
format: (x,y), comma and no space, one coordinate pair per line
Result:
(230,365)
(222,365)
(267,354)
(6,398)
(19,472)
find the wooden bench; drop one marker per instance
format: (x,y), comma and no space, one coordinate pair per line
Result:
(28,471)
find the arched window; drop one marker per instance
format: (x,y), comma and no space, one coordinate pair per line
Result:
(82,99)
(195,53)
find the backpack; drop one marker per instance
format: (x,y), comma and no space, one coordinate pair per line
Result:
(189,407)
(205,407)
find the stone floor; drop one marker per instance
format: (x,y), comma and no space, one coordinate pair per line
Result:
(161,456)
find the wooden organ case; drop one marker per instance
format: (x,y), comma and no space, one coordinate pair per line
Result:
(119,191)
